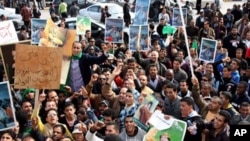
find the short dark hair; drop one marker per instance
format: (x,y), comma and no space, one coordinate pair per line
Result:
(24,101)
(188,100)
(106,70)
(227,95)
(129,116)
(10,132)
(112,137)
(237,61)
(116,126)
(68,104)
(109,113)
(63,128)
(131,60)
(178,59)
(226,115)
(228,67)
(153,65)
(171,85)
(244,104)
(129,91)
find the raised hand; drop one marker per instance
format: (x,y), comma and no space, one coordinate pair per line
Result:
(94,78)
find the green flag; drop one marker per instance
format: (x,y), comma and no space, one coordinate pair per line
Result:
(195,44)
(169,29)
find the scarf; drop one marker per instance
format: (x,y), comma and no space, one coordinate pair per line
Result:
(77,57)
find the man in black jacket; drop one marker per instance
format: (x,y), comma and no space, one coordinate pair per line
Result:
(126,14)
(80,72)
(193,119)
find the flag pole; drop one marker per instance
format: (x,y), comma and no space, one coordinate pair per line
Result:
(186,38)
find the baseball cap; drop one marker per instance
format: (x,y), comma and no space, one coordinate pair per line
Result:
(104,102)
(76,128)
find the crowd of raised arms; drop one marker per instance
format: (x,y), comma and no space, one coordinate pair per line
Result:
(103,91)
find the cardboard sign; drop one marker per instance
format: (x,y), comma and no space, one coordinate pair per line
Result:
(8,52)
(55,36)
(37,67)
(7,33)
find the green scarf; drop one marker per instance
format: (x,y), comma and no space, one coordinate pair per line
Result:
(77,57)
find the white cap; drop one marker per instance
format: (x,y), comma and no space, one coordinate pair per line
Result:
(77,128)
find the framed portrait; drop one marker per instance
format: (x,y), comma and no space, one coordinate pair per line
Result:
(7,118)
(37,29)
(208,49)
(139,36)
(141,12)
(114,30)
(176,21)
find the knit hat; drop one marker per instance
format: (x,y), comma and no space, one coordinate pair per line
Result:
(26,91)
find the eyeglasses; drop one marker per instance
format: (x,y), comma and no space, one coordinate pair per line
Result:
(52,115)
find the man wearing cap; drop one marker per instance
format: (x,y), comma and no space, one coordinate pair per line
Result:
(103,105)
(200,20)
(79,132)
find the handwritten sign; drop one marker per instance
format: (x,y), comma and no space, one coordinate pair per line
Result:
(37,67)
(7,33)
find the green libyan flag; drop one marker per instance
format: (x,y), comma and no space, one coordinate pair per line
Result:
(195,44)
(169,29)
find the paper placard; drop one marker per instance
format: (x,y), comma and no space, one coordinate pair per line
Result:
(7,33)
(37,67)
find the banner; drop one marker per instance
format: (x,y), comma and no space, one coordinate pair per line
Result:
(7,118)
(8,33)
(82,24)
(37,29)
(37,67)
(8,52)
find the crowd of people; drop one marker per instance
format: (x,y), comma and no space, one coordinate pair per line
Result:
(103,91)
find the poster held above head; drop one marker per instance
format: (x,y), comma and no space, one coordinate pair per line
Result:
(8,118)
(55,36)
(82,24)
(7,33)
(37,67)
(139,36)
(208,50)
(37,29)
(8,52)
(141,12)
(176,21)
(114,30)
